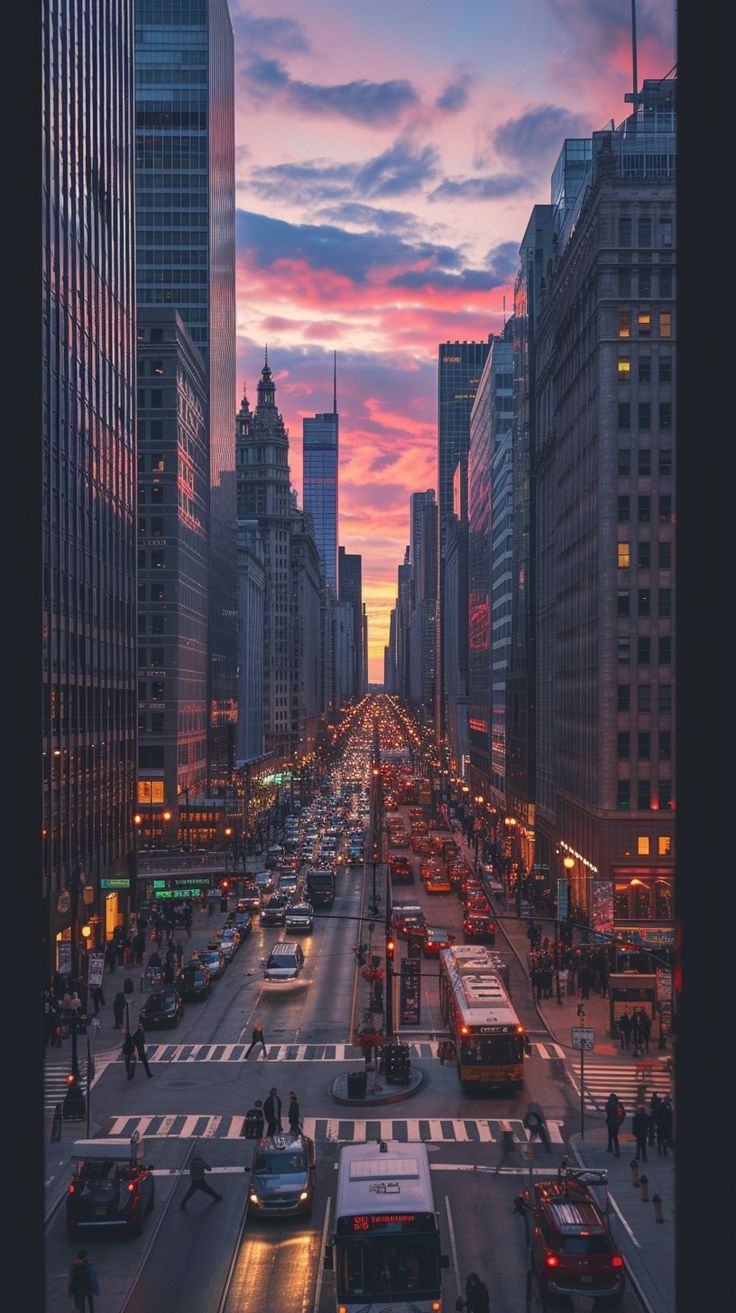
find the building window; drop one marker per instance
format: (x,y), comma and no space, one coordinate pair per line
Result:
(157,527)
(150,791)
(644,698)
(623,745)
(665,794)
(642,845)
(622,556)
(157,399)
(623,602)
(624,455)
(624,651)
(665,650)
(645,415)
(645,283)
(158,624)
(665,369)
(644,601)
(665,744)
(645,369)
(645,232)
(157,461)
(624,323)
(643,795)
(624,417)
(623,801)
(664,845)
(157,367)
(665,603)
(623,509)
(157,722)
(665,461)
(624,282)
(665,232)
(665,282)
(665,556)
(644,750)
(645,462)
(157,561)
(644,512)
(665,508)
(624,697)
(624,231)
(158,593)
(665,414)
(644,323)
(665,323)
(644,552)
(157,690)
(624,367)
(665,698)
(644,648)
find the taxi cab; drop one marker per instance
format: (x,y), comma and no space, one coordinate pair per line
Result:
(111,1188)
(282,1176)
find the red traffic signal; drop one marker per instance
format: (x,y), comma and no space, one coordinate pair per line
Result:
(224,884)
(390,946)
(71,1079)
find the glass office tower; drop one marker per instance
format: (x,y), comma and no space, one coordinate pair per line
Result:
(185,229)
(320,466)
(88,382)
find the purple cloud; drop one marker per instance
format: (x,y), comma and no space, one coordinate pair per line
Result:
(470,280)
(359,101)
(268,33)
(502,261)
(479,189)
(399,169)
(536,136)
(367,216)
(454,96)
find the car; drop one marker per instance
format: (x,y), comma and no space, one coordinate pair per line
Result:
(435,940)
(281,1182)
(243,924)
(288,882)
(437,882)
(214,960)
(164,1007)
(194,982)
(250,900)
(400,870)
(300,916)
(229,943)
(273,854)
(409,922)
(111,1188)
(264,882)
(214,940)
(475,902)
(573,1251)
(284,962)
(275,910)
(478,928)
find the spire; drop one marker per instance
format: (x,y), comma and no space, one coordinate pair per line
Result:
(266,386)
(334,382)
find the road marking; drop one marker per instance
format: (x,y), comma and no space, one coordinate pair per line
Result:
(236,1128)
(453,1246)
(289,1052)
(211,1128)
(187,1130)
(320,1261)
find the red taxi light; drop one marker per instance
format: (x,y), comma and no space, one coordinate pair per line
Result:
(552,1260)
(617,1261)
(491,927)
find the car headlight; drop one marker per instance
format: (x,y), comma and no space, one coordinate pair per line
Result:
(304,1194)
(254,1199)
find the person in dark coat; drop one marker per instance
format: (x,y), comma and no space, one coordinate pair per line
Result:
(197,1169)
(139,1040)
(118,1007)
(257,1038)
(664,1126)
(98,998)
(584,980)
(640,1127)
(83,1283)
(139,946)
(476,1294)
(615,1113)
(294,1117)
(272,1112)
(129,1054)
(654,1104)
(645,1028)
(624,1028)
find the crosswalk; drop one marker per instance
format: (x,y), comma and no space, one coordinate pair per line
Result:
(301,1052)
(337,1130)
(625,1079)
(55,1079)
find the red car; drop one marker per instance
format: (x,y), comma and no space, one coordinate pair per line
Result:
(409,921)
(478,928)
(573,1251)
(435,940)
(400,870)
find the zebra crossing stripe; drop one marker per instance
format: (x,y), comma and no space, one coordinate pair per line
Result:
(334,1130)
(166,1125)
(212,1127)
(235,1129)
(187,1130)
(300,1052)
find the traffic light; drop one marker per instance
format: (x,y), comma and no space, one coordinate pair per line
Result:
(225,884)
(74,1106)
(390,946)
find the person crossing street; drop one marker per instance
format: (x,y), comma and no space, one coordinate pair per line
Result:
(197,1169)
(257,1038)
(139,1040)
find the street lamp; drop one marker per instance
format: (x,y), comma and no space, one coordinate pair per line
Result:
(68,901)
(137,822)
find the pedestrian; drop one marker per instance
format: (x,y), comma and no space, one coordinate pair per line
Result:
(654,1105)
(645,1028)
(664,1127)
(476,1294)
(110,954)
(624,1028)
(197,1169)
(584,980)
(257,1038)
(536,1124)
(640,1126)
(636,1037)
(98,998)
(139,946)
(119,1005)
(83,1283)
(129,1054)
(272,1112)
(615,1113)
(294,1117)
(139,1040)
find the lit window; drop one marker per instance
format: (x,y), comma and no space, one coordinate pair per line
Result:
(624,323)
(644,320)
(623,556)
(642,845)
(665,323)
(624,367)
(664,845)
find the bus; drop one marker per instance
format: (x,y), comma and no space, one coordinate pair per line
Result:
(386,1243)
(490,1041)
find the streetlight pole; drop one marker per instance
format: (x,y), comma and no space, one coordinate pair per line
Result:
(69,902)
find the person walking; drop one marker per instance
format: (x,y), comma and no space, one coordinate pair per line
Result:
(272,1112)
(654,1105)
(615,1113)
(129,1054)
(294,1117)
(257,1038)
(640,1127)
(476,1294)
(119,1005)
(83,1283)
(664,1126)
(197,1169)
(645,1028)
(139,1040)
(624,1028)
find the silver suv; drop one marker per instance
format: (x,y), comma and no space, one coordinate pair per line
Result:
(282,1176)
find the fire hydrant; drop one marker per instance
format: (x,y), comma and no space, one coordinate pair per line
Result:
(657,1208)
(634,1173)
(644,1188)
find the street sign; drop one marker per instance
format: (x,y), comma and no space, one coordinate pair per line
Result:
(410,994)
(562,900)
(65,956)
(583,1037)
(95,968)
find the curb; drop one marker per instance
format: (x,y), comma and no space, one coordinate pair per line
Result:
(398,1097)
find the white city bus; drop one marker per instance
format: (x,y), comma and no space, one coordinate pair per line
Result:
(386,1242)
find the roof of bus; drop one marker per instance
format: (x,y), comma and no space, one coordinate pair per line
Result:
(481,996)
(367,1179)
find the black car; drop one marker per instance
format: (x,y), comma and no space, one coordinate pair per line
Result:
(250,900)
(111,1188)
(242,923)
(164,1007)
(194,982)
(274,912)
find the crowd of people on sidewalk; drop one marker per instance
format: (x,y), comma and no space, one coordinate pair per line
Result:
(582,968)
(650,1127)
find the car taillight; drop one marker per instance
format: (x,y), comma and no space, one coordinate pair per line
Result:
(491,928)
(617,1261)
(552,1260)
(71,1189)
(131,1187)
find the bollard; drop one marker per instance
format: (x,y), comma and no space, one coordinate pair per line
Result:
(658,1217)
(634,1173)
(644,1188)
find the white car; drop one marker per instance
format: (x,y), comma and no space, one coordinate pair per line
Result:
(229,944)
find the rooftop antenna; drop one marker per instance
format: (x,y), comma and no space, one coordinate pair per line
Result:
(334,382)
(633,96)
(504,310)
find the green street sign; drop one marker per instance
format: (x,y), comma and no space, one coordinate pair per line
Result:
(116,882)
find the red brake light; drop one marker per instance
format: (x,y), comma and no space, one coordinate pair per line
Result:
(617,1261)
(131,1187)
(552,1260)
(71,1079)
(71,1189)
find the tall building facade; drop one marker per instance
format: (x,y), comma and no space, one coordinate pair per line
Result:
(423,552)
(310,607)
(350,584)
(185,230)
(173,571)
(460,365)
(320,469)
(251,590)
(606,348)
(88,399)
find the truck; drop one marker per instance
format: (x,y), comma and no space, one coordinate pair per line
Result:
(321,888)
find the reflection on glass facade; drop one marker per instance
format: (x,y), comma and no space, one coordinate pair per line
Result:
(320,487)
(88,381)
(185,216)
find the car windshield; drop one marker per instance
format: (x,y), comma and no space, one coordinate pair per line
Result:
(160,1002)
(585,1244)
(492,1049)
(386,1267)
(437,934)
(105,1170)
(281,1164)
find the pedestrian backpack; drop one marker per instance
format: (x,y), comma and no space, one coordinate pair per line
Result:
(81,1281)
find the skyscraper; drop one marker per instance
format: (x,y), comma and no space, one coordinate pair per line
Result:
(350,569)
(185,229)
(88,395)
(320,467)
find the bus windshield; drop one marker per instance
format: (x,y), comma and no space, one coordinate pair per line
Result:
(492,1049)
(388,1266)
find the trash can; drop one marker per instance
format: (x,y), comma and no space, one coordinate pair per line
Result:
(357,1084)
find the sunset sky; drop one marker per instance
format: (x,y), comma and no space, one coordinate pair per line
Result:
(388,156)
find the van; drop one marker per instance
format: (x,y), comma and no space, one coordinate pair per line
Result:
(284,962)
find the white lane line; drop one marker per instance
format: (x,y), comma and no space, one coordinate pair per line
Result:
(143,1125)
(332,1130)
(166,1125)
(555,1134)
(453,1246)
(118,1124)
(461,1131)
(236,1128)
(320,1260)
(211,1128)
(187,1129)
(435,1128)
(387,1129)
(484,1131)
(622,1220)
(541,1050)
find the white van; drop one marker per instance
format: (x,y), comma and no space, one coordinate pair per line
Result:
(284,962)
